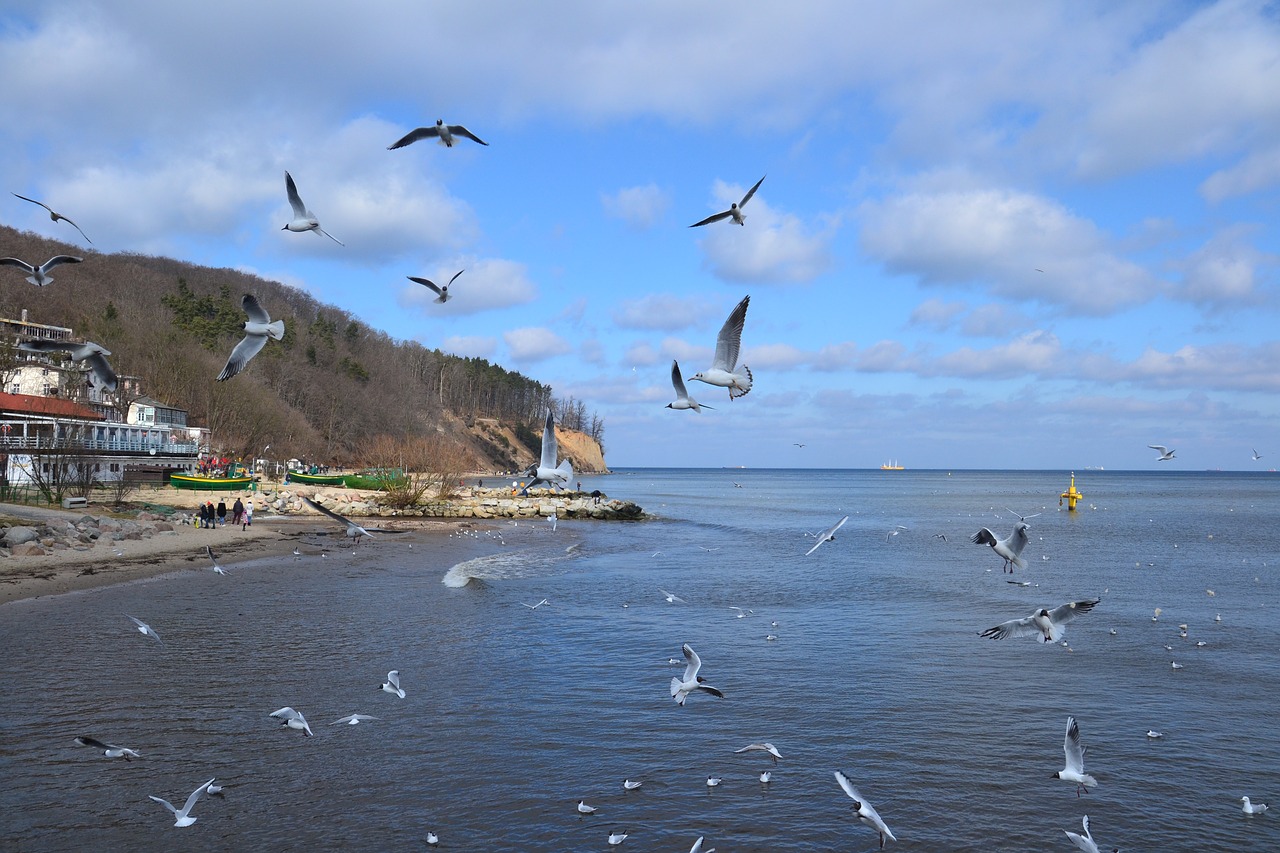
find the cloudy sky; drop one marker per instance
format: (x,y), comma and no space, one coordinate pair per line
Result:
(1006,234)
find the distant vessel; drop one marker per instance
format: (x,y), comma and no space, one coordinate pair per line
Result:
(892,465)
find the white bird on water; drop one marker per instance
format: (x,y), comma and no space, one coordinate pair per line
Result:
(1049,625)
(724,372)
(1085,842)
(183,816)
(682,687)
(293,719)
(1153,734)
(354,530)
(146,630)
(629,785)
(55,216)
(303,218)
(734,211)
(866,813)
(683,400)
(1074,771)
(257,329)
(1252,808)
(583,808)
(616,838)
(546,471)
(39,276)
(441,132)
(109,750)
(828,535)
(392,684)
(442,293)
(101,376)
(1165,453)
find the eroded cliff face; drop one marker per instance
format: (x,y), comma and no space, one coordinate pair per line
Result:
(583,450)
(498,446)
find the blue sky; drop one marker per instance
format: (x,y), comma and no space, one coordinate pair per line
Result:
(1026,235)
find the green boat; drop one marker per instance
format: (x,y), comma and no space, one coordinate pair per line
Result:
(376,479)
(210,484)
(315,479)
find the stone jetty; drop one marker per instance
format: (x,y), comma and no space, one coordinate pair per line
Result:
(468,503)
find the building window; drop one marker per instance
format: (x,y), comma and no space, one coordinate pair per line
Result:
(115,467)
(17,389)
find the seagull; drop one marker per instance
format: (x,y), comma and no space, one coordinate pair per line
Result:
(146,630)
(432,839)
(828,535)
(546,471)
(442,293)
(1153,734)
(583,808)
(352,719)
(1252,808)
(734,211)
(218,569)
(109,750)
(184,816)
(1085,842)
(54,215)
(39,275)
(444,134)
(866,813)
(1074,771)
(535,606)
(1019,583)
(213,789)
(293,719)
(671,597)
(616,838)
(1256,455)
(257,329)
(697,847)
(742,614)
(1049,625)
(354,530)
(1009,549)
(683,400)
(766,777)
(101,376)
(681,688)
(303,219)
(767,747)
(713,781)
(723,371)
(1165,453)
(392,684)
(1175,665)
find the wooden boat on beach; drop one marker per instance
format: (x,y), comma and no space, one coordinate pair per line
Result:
(210,484)
(315,479)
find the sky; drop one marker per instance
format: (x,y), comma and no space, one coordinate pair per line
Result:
(995,235)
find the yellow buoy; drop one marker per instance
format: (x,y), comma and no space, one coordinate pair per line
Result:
(1070,495)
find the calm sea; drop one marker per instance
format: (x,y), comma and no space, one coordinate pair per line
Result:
(513,715)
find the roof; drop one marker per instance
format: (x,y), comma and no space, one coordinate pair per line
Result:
(30,404)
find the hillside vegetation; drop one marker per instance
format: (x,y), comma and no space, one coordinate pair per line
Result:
(324,393)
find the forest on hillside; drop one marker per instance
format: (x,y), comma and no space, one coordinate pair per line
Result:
(324,392)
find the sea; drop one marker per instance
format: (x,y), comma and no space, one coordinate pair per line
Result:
(863,657)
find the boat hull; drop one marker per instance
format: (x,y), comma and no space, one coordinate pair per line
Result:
(209,484)
(316,479)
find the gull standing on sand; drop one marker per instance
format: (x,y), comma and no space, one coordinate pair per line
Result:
(184,816)
(443,133)
(1252,808)
(1074,771)
(683,400)
(1010,549)
(293,719)
(303,219)
(828,535)
(146,630)
(723,372)
(682,687)
(109,750)
(1048,625)
(1085,842)
(442,293)
(39,276)
(392,684)
(55,216)
(1165,453)
(101,376)
(257,329)
(354,530)
(866,813)
(546,471)
(734,211)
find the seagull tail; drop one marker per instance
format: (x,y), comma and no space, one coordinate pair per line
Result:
(566,470)
(276,329)
(675,690)
(742,389)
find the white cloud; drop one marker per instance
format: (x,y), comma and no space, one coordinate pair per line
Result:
(486,285)
(1224,272)
(470,346)
(640,207)
(773,357)
(937,313)
(770,247)
(640,353)
(661,311)
(592,352)
(994,321)
(534,343)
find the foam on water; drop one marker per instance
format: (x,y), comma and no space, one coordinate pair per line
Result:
(508,565)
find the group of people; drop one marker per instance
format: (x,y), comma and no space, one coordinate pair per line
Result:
(210,516)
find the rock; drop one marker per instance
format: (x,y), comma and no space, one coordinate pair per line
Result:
(19,535)
(163,527)
(87,521)
(28,549)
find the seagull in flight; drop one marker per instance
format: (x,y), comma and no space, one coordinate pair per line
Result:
(392,684)
(184,815)
(216,568)
(101,376)
(535,606)
(723,372)
(681,688)
(441,132)
(827,535)
(109,750)
(734,211)
(1256,454)
(1048,625)
(54,215)
(442,293)
(354,530)
(671,597)
(257,329)
(352,720)
(39,276)
(1085,842)
(293,719)
(1074,771)
(683,400)
(766,747)
(1009,549)
(546,471)
(866,813)
(146,630)
(303,218)
(1165,453)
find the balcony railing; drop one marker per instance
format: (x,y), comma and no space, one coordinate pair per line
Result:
(45,442)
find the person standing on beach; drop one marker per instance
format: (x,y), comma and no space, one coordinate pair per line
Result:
(204,517)
(237,511)
(222,513)
(248,514)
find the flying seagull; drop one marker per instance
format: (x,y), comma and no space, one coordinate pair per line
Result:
(1048,625)
(1165,453)
(766,747)
(146,630)
(683,400)
(354,530)
(1085,842)
(1256,454)
(671,597)
(216,568)
(352,720)
(39,276)
(184,816)
(108,750)
(293,719)
(303,219)
(734,211)
(546,471)
(866,813)
(1009,549)
(392,684)
(681,688)
(723,372)
(1074,771)
(442,293)
(443,133)
(257,329)
(101,376)
(827,535)
(54,215)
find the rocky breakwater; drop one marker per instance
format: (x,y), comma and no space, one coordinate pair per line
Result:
(35,539)
(468,503)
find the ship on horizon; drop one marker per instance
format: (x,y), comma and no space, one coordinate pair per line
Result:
(892,465)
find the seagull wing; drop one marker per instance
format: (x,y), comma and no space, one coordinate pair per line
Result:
(295,201)
(77,227)
(715,217)
(730,338)
(677,381)
(1160,447)
(984,537)
(426,282)
(1071,746)
(394,677)
(254,310)
(168,805)
(1018,539)
(85,740)
(549,448)
(1024,627)
(58,260)
(414,135)
(191,800)
(44,346)
(746,198)
(830,532)
(250,346)
(104,377)
(695,663)
(20,264)
(1065,613)
(33,201)
(327,512)
(848,788)
(459,130)
(286,713)
(455,278)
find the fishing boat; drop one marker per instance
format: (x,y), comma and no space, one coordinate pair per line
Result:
(210,484)
(315,479)
(892,465)
(376,479)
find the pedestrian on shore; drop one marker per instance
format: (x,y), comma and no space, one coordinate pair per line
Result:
(248,514)
(204,517)
(237,512)
(222,513)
